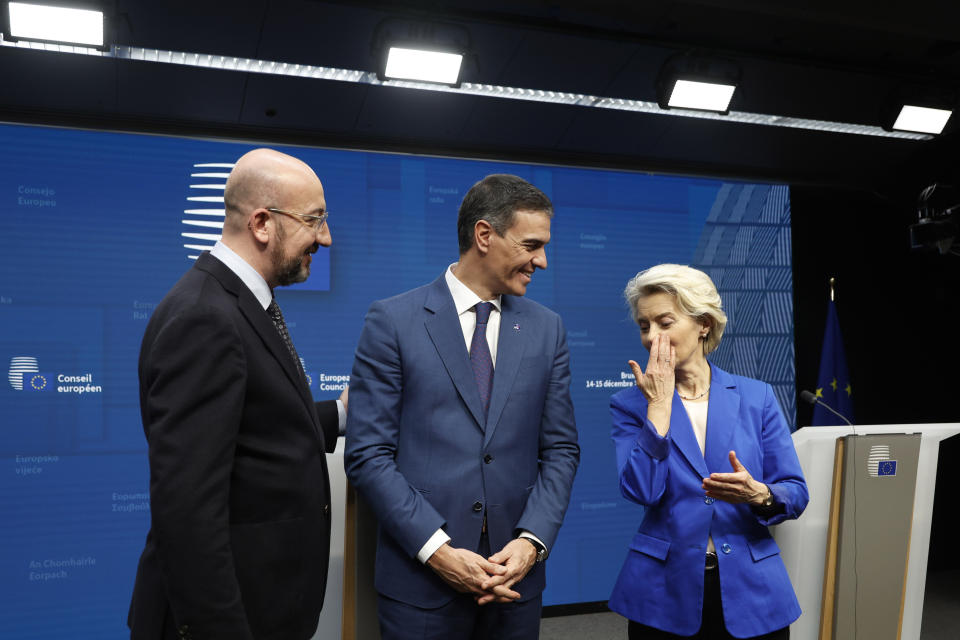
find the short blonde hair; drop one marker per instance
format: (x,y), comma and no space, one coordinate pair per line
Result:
(693,290)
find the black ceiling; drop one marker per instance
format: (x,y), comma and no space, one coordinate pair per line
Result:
(827,60)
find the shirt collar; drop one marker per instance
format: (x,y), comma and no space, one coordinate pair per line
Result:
(464,298)
(254,281)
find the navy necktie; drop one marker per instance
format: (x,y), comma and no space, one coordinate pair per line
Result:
(480,357)
(277,316)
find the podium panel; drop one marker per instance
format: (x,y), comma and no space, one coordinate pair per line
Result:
(807,547)
(878,480)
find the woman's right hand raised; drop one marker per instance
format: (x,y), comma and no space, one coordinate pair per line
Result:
(658,383)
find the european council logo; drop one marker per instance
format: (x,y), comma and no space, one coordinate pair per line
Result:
(25,375)
(204,217)
(879,462)
(203,221)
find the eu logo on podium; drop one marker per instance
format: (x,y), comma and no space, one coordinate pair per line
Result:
(887,468)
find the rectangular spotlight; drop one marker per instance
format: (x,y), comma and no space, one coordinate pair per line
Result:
(708,96)
(55,24)
(921,119)
(423,66)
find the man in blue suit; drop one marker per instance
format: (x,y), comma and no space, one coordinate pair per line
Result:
(461,433)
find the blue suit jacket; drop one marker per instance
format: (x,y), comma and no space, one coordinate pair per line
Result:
(420,452)
(661,582)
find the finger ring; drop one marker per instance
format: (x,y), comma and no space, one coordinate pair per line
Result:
(667,360)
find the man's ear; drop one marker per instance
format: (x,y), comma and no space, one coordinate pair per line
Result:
(482,233)
(259,225)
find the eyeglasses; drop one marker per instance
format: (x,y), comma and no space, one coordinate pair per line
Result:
(314,222)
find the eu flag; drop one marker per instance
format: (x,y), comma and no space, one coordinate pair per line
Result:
(887,468)
(38,381)
(833,383)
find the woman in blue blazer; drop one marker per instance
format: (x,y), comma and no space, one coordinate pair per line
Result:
(710,456)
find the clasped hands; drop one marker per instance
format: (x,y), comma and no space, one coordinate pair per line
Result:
(487,579)
(736,487)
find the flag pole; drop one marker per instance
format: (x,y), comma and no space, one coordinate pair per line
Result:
(833,381)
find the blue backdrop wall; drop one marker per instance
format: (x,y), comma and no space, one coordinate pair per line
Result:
(100,225)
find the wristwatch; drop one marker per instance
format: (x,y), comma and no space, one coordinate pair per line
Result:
(768,501)
(541,550)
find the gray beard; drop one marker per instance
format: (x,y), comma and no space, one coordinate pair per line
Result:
(288,271)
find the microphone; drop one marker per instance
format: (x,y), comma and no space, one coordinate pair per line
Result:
(812,399)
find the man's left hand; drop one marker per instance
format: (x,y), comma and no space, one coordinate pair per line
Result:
(736,487)
(518,556)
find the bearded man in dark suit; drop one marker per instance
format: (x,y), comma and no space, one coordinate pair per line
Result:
(240,498)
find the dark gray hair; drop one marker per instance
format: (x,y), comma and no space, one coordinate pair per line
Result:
(495,199)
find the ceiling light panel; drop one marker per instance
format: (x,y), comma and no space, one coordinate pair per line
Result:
(688,94)
(922,119)
(57,24)
(424,66)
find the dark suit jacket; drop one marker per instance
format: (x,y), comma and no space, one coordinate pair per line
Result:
(240,499)
(421,453)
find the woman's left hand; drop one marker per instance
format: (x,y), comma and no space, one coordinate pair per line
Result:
(736,487)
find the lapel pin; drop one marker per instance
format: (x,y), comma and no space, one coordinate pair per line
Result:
(516,327)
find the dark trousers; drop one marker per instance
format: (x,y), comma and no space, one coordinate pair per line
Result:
(712,626)
(461,618)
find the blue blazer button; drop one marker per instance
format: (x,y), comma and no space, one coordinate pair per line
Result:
(725,548)
(708,500)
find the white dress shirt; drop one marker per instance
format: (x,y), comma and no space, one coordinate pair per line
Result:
(250,276)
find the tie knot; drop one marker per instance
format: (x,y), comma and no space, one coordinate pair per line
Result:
(483,310)
(273,309)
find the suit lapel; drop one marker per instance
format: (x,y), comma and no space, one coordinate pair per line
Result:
(510,348)
(722,416)
(681,432)
(262,324)
(265,328)
(443,327)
